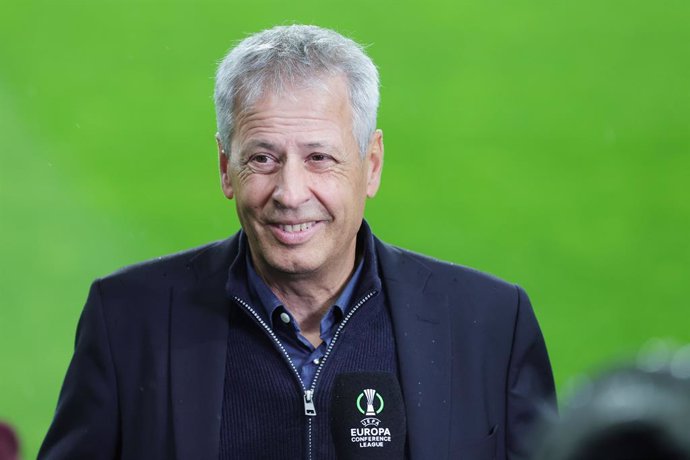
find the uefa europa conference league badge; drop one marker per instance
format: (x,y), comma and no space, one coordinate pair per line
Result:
(372,435)
(368,417)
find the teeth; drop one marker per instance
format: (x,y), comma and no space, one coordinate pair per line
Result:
(296,227)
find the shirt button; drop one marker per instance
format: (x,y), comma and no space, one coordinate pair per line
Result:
(284,317)
(316,361)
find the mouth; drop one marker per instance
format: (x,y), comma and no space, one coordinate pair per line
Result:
(294,234)
(296,228)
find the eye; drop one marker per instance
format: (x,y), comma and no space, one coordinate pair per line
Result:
(320,161)
(263,163)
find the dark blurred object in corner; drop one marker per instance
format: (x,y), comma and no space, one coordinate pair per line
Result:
(631,413)
(9,443)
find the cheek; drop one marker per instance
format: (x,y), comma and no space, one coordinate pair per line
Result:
(351,179)
(254,189)
(343,198)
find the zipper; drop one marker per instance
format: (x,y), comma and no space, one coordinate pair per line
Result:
(273,336)
(337,334)
(308,394)
(309,408)
(312,390)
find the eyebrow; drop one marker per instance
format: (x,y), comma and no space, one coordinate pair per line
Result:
(261,144)
(315,145)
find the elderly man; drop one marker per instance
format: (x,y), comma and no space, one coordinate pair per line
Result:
(239,349)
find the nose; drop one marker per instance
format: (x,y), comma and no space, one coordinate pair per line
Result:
(292,189)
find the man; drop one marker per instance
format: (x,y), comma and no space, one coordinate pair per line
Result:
(234,350)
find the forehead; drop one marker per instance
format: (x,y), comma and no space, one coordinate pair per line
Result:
(318,106)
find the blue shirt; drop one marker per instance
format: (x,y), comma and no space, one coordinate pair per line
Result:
(303,354)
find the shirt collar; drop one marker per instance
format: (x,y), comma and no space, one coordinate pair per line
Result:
(364,279)
(269,302)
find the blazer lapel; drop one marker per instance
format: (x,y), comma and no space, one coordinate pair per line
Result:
(422,333)
(198,336)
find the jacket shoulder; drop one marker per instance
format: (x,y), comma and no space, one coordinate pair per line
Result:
(174,268)
(469,293)
(442,271)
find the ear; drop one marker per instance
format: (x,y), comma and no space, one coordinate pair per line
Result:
(224,164)
(374,161)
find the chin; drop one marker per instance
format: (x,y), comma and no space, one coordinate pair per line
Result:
(291,264)
(294,269)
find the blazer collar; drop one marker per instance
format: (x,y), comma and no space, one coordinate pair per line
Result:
(422,333)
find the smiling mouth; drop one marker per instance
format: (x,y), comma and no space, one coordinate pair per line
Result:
(296,228)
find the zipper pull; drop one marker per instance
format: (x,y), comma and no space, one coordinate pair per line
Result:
(309,408)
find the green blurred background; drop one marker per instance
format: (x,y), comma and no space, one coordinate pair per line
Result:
(546,142)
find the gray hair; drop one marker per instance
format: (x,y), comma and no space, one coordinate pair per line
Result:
(277,59)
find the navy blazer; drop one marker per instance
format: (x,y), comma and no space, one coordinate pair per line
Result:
(146,379)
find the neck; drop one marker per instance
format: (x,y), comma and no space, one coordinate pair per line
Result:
(308,296)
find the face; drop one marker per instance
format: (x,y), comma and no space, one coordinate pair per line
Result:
(299,182)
